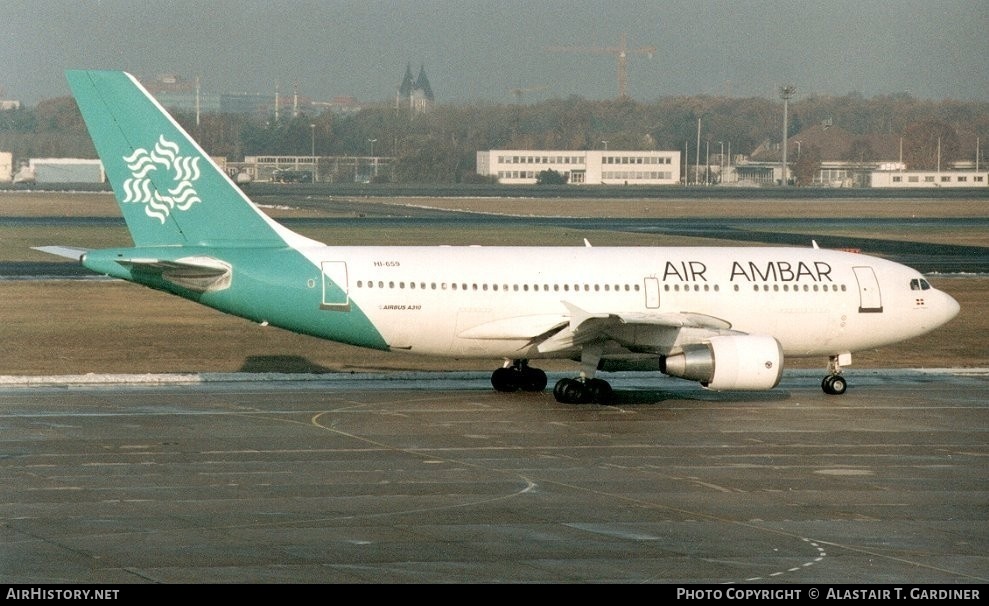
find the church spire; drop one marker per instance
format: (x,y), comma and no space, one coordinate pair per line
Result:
(422,84)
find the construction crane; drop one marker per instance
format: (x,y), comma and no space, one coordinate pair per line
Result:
(621,53)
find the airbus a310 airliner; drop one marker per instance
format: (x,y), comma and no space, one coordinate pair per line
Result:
(724,317)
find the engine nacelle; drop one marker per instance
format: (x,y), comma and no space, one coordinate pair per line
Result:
(742,362)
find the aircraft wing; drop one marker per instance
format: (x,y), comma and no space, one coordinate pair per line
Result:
(675,320)
(520,327)
(578,328)
(635,330)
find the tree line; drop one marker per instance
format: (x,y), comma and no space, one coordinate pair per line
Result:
(440,146)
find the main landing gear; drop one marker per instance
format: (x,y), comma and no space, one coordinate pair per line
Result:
(585,389)
(518,376)
(582,391)
(834,384)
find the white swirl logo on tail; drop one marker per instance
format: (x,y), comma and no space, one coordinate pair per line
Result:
(139,188)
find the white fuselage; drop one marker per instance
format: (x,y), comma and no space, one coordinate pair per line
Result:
(497,301)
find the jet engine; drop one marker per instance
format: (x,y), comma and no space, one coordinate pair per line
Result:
(742,362)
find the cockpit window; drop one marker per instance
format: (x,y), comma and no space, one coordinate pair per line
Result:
(919,284)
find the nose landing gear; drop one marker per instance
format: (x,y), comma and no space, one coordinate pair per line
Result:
(834,384)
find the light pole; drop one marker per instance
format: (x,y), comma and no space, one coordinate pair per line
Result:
(374,165)
(786,92)
(312,152)
(697,155)
(721,163)
(707,162)
(728,170)
(686,162)
(605,144)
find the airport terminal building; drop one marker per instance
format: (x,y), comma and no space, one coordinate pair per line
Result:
(587,167)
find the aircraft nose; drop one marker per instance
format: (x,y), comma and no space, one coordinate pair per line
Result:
(949,307)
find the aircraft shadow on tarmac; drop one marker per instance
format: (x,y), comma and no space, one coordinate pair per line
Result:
(652,395)
(282,364)
(293,364)
(655,396)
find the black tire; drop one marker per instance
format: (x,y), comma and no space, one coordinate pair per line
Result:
(834,385)
(560,388)
(534,379)
(599,391)
(569,391)
(504,380)
(576,393)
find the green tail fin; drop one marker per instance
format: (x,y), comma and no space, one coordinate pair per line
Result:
(169,190)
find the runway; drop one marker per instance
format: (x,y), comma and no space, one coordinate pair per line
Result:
(436,478)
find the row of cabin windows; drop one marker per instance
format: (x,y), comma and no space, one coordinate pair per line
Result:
(762,287)
(591,287)
(502,287)
(799,287)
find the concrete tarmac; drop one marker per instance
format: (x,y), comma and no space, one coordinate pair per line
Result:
(435,478)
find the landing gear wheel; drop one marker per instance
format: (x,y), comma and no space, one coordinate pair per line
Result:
(560,388)
(599,391)
(834,385)
(503,379)
(533,379)
(518,376)
(575,391)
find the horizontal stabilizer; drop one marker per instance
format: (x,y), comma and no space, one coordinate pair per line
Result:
(201,274)
(63,251)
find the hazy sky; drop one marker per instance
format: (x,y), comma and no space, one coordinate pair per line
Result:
(474,50)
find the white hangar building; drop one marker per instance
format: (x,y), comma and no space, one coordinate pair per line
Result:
(592,167)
